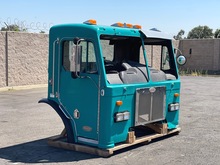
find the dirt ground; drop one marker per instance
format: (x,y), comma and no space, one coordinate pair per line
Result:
(25,125)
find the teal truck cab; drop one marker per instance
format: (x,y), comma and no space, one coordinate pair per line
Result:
(105,82)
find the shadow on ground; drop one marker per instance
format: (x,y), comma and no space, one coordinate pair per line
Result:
(39,152)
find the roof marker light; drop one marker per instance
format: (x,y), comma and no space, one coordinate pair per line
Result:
(137,26)
(90,22)
(118,24)
(127,25)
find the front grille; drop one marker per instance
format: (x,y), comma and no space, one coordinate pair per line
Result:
(150,105)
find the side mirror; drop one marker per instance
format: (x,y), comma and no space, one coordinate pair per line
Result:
(181,60)
(75,57)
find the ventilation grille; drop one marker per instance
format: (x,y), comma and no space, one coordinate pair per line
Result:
(150,105)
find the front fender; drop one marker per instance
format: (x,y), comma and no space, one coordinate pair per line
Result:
(66,121)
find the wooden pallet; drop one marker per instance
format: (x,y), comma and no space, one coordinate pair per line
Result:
(160,130)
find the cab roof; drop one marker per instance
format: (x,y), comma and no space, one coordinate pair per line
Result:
(122,29)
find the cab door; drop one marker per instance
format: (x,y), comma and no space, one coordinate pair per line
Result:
(79,92)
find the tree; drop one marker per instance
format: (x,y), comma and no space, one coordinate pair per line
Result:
(200,32)
(13,27)
(217,33)
(179,36)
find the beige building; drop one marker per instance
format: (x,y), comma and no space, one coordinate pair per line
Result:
(203,54)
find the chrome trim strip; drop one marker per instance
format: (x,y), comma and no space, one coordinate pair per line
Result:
(53,65)
(82,139)
(151,105)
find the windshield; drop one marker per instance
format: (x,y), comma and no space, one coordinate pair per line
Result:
(119,48)
(123,59)
(125,63)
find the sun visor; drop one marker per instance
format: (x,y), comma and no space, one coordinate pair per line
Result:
(156,34)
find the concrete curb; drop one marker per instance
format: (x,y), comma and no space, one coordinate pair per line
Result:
(24,87)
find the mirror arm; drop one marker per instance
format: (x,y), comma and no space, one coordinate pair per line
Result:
(178,50)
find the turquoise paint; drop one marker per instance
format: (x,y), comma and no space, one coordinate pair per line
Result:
(118,131)
(84,94)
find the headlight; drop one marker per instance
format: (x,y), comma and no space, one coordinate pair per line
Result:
(119,117)
(174,107)
(122,116)
(126,115)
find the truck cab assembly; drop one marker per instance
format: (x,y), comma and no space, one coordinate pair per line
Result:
(113,86)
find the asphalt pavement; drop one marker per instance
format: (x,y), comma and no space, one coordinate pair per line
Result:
(25,126)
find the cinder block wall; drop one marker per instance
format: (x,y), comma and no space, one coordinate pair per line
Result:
(216,56)
(27,59)
(201,54)
(2,60)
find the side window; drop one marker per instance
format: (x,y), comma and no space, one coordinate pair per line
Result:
(67,52)
(107,49)
(165,61)
(88,59)
(158,57)
(141,59)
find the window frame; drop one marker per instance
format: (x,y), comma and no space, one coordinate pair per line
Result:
(65,56)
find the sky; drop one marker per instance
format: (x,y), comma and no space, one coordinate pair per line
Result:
(169,16)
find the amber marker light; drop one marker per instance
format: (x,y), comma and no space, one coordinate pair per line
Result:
(176,94)
(119,103)
(137,26)
(90,22)
(128,25)
(118,24)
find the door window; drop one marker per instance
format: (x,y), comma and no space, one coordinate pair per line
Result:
(88,61)
(88,58)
